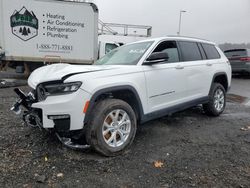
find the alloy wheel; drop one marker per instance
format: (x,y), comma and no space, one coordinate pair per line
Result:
(116,128)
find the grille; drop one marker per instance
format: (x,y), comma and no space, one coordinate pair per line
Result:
(41,93)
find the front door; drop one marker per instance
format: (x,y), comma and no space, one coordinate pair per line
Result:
(166,82)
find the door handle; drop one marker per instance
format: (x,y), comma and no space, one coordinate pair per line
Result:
(179,67)
(209,64)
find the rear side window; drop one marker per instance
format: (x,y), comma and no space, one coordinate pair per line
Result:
(211,51)
(190,51)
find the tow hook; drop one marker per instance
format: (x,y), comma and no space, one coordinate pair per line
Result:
(68,143)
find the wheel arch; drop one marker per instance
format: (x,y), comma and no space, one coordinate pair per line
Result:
(220,77)
(124,92)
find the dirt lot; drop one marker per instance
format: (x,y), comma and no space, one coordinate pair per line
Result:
(195,150)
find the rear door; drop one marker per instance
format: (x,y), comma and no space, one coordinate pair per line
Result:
(197,69)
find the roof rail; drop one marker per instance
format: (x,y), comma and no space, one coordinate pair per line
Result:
(188,37)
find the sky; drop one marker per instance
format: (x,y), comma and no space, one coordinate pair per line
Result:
(216,20)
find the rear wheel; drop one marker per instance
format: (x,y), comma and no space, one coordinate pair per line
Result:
(112,127)
(217,100)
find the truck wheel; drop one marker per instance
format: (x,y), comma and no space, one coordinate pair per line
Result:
(112,127)
(217,100)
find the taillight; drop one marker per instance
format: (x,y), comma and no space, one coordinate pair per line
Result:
(245,59)
(239,59)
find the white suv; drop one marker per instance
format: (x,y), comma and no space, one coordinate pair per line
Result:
(103,103)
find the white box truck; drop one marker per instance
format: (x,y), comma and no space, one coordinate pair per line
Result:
(46,30)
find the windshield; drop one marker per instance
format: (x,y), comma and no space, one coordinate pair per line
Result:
(125,55)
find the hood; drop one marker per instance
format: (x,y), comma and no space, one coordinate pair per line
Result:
(62,71)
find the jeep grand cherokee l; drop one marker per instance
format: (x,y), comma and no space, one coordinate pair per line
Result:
(239,59)
(103,103)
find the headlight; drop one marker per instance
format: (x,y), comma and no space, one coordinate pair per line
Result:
(62,88)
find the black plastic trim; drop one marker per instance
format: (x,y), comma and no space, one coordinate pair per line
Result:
(162,94)
(173,109)
(202,51)
(112,89)
(181,59)
(220,74)
(62,125)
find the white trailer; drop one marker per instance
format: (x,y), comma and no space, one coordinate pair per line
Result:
(34,32)
(45,30)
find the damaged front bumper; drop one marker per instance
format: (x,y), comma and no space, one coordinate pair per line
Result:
(31,116)
(42,114)
(60,112)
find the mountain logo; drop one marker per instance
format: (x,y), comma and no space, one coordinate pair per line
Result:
(24,24)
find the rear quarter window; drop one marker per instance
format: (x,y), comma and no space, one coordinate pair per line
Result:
(189,51)
(211,51)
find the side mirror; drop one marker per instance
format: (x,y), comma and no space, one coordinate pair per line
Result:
(156,57)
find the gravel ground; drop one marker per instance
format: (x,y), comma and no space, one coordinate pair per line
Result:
(189,148)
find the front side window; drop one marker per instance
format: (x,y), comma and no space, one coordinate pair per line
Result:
(125,55)
(190,51)
(170,47)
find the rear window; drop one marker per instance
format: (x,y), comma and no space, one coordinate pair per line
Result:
(236,52)
(211,51)
(190,51)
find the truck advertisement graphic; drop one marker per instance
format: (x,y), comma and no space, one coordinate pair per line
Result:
(24,24)
(36,29)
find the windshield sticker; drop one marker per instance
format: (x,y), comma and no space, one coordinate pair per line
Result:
(137,51)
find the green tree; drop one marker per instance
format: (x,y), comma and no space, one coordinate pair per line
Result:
(25,33)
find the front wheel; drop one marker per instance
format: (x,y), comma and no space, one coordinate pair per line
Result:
(217,100)
(112,127)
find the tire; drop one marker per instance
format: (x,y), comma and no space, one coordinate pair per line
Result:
(103,132)
(216,105)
